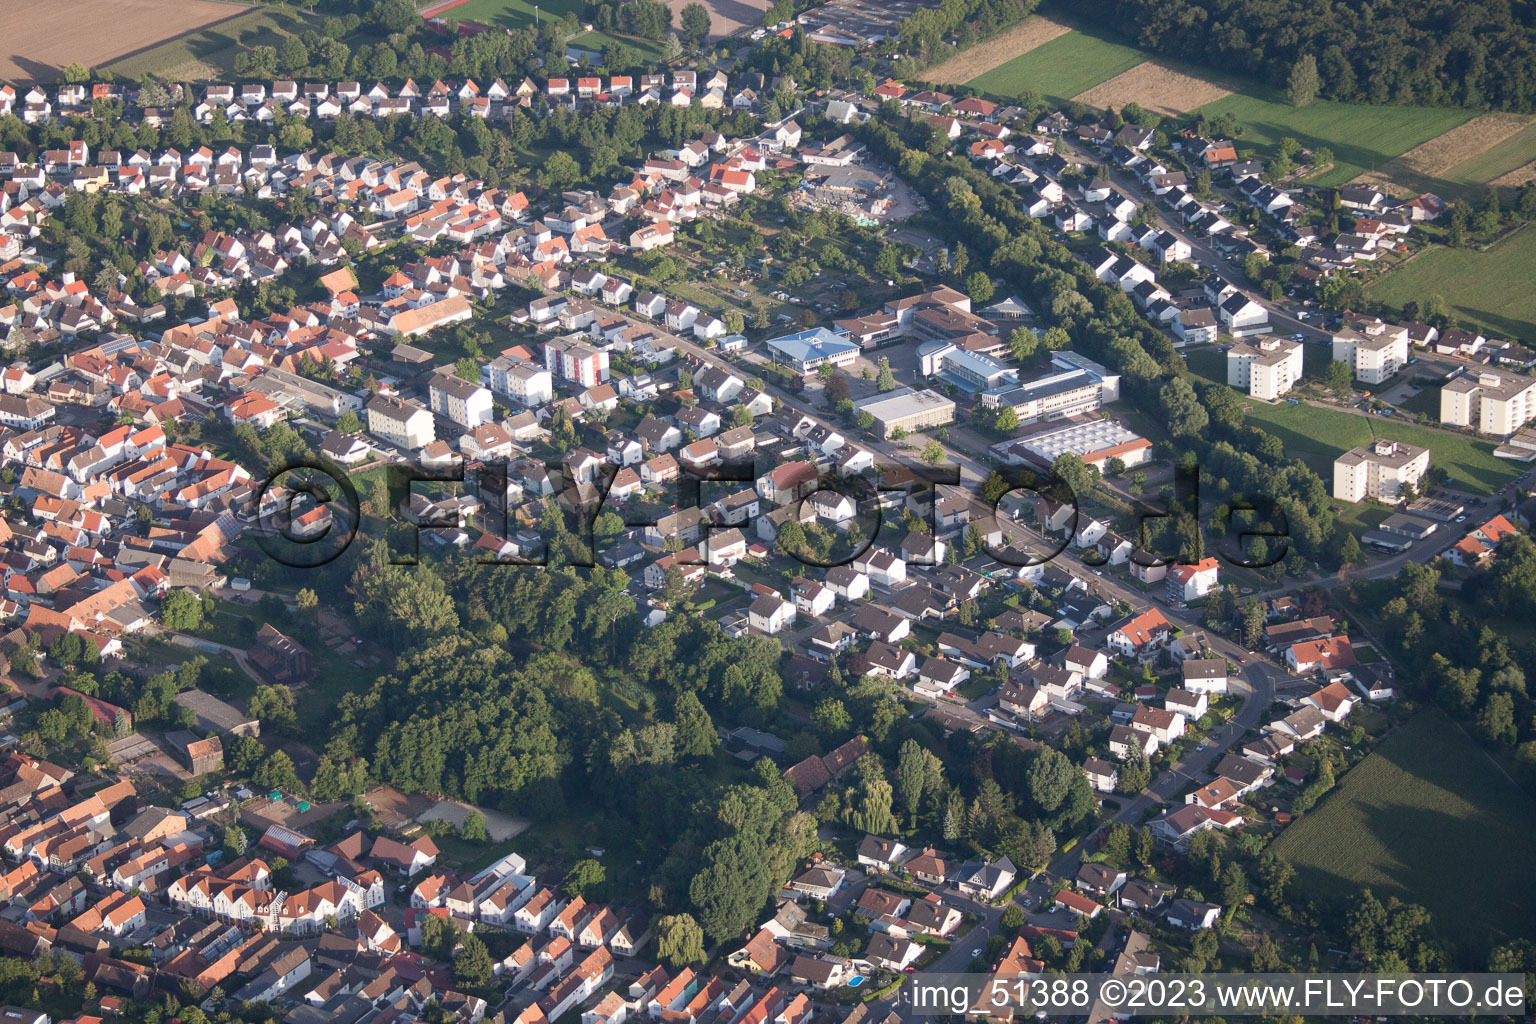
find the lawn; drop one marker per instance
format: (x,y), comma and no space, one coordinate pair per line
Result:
(1207,363)
(1424,813)
(1362,137)
(512,13)
(1060,69)
(1317,436)
(1490,289)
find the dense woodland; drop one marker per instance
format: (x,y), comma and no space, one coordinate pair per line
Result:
(1476,53)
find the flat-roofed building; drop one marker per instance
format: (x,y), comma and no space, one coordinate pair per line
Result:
(1380,470)
(1374,349)
(1078,386)
(1094,441)
(1267,369)
(1497,402)
(907,410)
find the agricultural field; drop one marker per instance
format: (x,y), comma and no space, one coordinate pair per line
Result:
(1460,164)
(1362,137)
(1060,69)
(1510,162)
(1490,289)
(104,32)
(1157,86)
(1427,810)
(1034,31)
(1318,435)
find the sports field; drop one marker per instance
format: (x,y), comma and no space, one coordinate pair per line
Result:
(511,13)
(1362,137)
(1491,289)
(1060,69)
(1430,819)
(1317,436)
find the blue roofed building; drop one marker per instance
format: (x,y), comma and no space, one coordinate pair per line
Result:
(808,351)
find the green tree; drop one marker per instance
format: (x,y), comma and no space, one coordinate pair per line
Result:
(584,877)
(979,287)
(474,829)
(695,733)
(679,941)
(1304,82)
(831,718)
(560,170)
(1133,776)
(695,24)
(472,964)
(885,380)
(1049,777)
(1185,414)
(181,611)
(1339,377)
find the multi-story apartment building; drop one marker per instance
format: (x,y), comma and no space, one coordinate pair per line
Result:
(465,403)
(526,383)
(402,423)
(1374,349)
(1267,369)
(576,361)
(1379,470)
(1497,402)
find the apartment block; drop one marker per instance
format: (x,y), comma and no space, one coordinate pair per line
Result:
(576,361)
(465,403)
(1374,349)
(1490,401)
(1379,470)
(404,424)
(1265,370)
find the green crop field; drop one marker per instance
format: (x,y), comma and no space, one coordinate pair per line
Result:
(1425,813)
(1362,137)
(1060,69)
(1317,436)
(1490,290)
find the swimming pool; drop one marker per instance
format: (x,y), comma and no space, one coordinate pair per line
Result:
(856,981)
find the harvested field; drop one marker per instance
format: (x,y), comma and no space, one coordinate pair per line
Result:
(97,32)
(210,51)
(983,57)
(1439,155)
(1517,177)
(1156,87)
